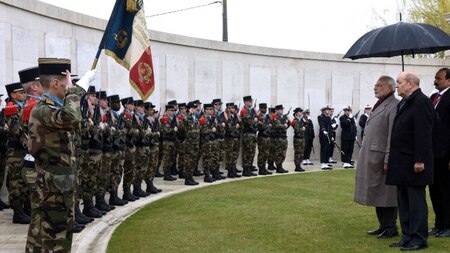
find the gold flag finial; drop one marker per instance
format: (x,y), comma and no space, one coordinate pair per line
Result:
(131,5)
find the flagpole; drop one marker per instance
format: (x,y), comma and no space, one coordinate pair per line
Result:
(94,64)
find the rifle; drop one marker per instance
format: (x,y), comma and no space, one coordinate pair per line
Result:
(146,122)
(254,104)
(109,119)
(337,116)
(335,144)
(120,124)
(356,115)
(84,107)
(97,117)
(359,145)
(290,108)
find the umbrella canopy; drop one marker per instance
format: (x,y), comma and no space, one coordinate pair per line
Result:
(400,39)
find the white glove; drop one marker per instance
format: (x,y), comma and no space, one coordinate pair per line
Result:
(237,125)
(214,129)
(350,116)
(175,129)
(325,132)
(87,79)
(334,125)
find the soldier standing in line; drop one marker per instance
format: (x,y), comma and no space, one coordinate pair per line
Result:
(16,185)
(263,139)
(232,140)
(191,144)
(220,119)
(299,138)
(348,137)
(131,135)
(3,152)
(199,113)
(168,130)
(270,159)
(105,168)
(334,126)
(51,125)
(363,119)
(153,120)
(309,137)
(324,137)
(142,149)
(250,127)
(181,136)
(207,135)
(280,124)
(177,146)
(118,144)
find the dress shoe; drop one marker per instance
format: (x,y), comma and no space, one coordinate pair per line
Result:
(375,231)
(398,244)
(434,231)
(443,233)
(411,246)
(387,234)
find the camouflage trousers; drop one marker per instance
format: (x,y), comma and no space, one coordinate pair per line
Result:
(129,166)
(220,151)
(280,148)
(115,176)
(56,212)
(33,239)
(263,151)
(179,152)
(90,174)
(3,157)
(153,158)
(299,150)
(82,167)
(15,183)
(190,150)
(168,153)
(103,175)
(248,149)
(142,157)
(231,149)
(209,152)
(271,158)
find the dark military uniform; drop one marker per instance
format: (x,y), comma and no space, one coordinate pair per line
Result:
(154,149)
(348,136)
(3,152)
(324,137)
(309,137)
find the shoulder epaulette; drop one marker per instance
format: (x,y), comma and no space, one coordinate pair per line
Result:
(49,102)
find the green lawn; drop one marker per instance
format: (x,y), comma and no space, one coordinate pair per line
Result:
(312,212)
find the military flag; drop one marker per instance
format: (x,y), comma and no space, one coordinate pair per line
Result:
(126,40)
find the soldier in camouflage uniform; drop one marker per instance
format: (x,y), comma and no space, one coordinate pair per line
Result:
(263,139)
(3,151)
(132,133)
(15,183)
(181,137)
(142,149)
(250,127)
(153,120)
(104,173)
(199,114)
(177,146)
(299,139)
(220,119)
(191,144)
(208,142)
(51,125)
(280,124)
(232,140)
(270,159)
(169,128)
(117,156)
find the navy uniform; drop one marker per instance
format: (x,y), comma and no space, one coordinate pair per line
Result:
(309,137)
(348,136)
(325,130)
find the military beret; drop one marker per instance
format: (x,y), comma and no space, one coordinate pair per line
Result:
(101,94)
(279,107)
(247,98)
(113,99)
(54,66)
(172,102)
(217,101)
(128,100)
(138,102)
(29,74)
(13,87)
(263,106)
(307,111)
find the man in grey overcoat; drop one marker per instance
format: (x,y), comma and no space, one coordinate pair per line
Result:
(370,187)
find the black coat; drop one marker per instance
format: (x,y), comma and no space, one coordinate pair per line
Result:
(348,126)
(324,125)
(411,142)
(441,128)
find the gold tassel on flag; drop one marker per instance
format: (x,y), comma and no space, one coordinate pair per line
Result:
(131,5)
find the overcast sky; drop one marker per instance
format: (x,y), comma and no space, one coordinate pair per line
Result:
(321,26)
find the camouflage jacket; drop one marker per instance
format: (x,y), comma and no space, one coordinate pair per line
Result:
(231,126)
(264,121)
(15,132)
(280,124)
(299,129)
(51,125)
(192,127)
(206,131)
(248,116)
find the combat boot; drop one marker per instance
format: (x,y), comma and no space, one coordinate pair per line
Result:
(77,228)
(151,188)
(299,168)
(181,173)
(137,191)
(128,196)
(101,204)
(247,172)
(217,175)
(271,165)
(27,206)
(173,169)
(235,172)
(253,168)
(3,205)
(115,200)
(263,171)
(198,173)
(236,169)
(89,210)
(189,180)
(79,217)
(208,178)
(230,173)
(280,169)
(168,176)
(19,217)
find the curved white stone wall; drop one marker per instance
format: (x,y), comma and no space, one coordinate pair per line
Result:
(188,68)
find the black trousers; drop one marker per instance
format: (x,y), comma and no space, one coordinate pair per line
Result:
(347,147)
(324,149)
(387,217)
(413,213)
(308,148)
(440,194)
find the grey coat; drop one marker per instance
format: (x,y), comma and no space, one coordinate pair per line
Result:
(370,187)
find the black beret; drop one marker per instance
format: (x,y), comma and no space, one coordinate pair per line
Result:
(170,107)
(208,106)
(197,102)
(182,105)
(298,109)
(272,110)
(191,104)
(29,74)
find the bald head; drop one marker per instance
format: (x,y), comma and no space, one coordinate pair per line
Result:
(407,83)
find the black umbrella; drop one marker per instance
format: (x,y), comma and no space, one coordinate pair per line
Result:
(400,39)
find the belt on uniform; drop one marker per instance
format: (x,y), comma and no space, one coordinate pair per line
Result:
(60,170)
